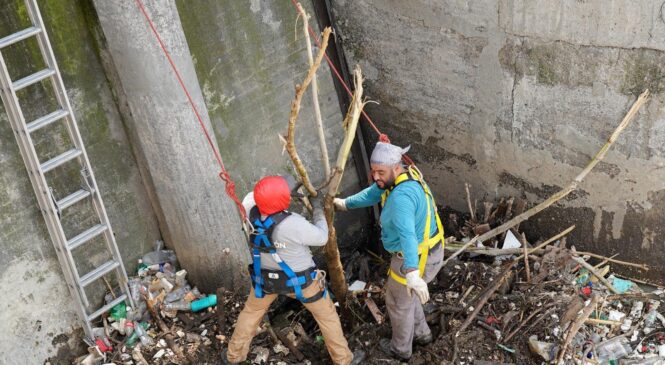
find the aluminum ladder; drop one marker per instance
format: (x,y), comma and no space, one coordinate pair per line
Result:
(38,171)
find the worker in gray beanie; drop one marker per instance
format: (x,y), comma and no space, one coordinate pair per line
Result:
(412,232)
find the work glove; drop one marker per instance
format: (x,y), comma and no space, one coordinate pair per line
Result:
(340,204)
(414,283)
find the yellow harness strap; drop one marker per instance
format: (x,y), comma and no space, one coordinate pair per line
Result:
(428,242)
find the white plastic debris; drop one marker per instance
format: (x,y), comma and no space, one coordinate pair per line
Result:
(262,354)
(616,315)
(279,348)
(357,286)
(159,354)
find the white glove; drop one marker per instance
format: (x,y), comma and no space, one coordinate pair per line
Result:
(414,283)
(340,204)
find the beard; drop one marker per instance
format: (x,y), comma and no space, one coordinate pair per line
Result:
(386,182)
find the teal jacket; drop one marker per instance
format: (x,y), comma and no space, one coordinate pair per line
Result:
(403,217)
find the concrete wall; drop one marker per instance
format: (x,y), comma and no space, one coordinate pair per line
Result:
(515,97)
(37,315)
(248,60)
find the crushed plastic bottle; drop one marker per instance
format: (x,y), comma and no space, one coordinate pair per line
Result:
(160,256)
(131,341)
(612,350)
(177,294)
(178,306)
(143,335)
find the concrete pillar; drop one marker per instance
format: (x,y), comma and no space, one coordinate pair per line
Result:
(196,217)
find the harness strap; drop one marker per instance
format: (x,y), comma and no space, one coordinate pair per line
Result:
(262,242)
(412,174)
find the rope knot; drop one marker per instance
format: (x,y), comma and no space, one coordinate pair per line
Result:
(384,138)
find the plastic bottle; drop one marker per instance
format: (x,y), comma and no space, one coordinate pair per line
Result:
(177,294)
(612,350)
(135,290)
(178,306)
(203,303)
(143,335)
(131,341)
(142,269)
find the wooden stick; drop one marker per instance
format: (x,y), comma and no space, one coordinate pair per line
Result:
(295,109)
(595,273)
(552,239)
(526,259)
(605,261)
(339,286)
(374,309)
(602,321)
(567,190)
(468,200)
(586,312)
(486,296)
(519,326)
(315,96)
(611,259)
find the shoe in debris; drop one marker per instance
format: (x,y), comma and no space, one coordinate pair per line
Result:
(387,348)
(423,340)
(358,357)
(225,359)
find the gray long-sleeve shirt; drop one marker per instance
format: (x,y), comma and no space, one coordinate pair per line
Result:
(292,238)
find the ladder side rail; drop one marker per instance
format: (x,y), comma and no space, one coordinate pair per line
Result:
(39,184)
(72,127)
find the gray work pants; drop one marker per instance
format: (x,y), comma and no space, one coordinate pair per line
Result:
(407,318)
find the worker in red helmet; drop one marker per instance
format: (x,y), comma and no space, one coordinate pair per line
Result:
(282,264)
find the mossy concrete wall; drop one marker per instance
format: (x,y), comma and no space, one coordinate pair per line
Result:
(249,55)
(37,316)
(516,96)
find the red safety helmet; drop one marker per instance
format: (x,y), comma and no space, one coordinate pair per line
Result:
(272,194)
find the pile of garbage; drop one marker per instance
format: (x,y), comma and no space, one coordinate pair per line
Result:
(505,301)
(167,324)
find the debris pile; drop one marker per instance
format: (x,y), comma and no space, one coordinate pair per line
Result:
(171,321)
(504,301)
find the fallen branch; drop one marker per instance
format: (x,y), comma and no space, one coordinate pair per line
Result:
(339,286)
(486,296)
(277,336)
(611,259)
(512,251)
(550,240)
(295,109)
(168,336)
(595,273)
(586,312)
(315,95)
(567,190)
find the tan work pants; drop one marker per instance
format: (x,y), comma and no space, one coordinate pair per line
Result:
(407,318)
(323,311)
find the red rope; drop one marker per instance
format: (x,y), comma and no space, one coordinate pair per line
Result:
(224,175)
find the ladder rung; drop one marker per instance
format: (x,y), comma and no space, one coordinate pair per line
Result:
(46,120)
(97,273)
(18,36)
(61,159)
(73,198)
(33,79)
(107,307)
(86,235)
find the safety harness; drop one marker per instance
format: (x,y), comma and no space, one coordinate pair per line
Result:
(428,243)
(272,281)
